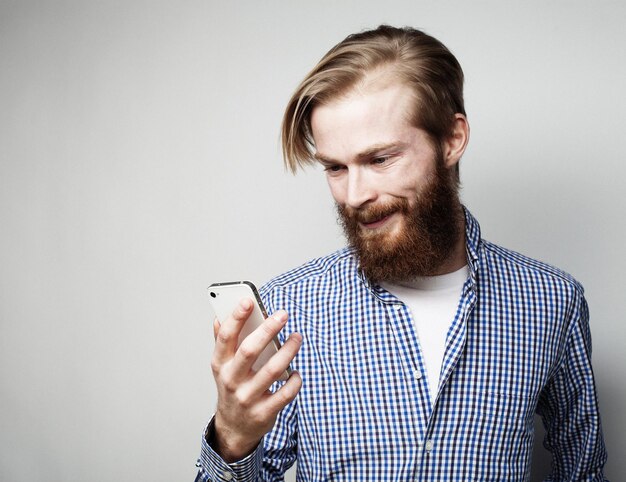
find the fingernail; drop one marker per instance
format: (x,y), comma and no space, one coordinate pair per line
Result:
(245,304)
(281,317)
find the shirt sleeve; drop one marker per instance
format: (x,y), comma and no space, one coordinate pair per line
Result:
(569,409)
(211,467)
(271,459)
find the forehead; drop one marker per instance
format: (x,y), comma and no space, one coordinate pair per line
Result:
(377,111)
(372,84)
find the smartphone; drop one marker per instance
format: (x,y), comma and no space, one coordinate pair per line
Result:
(225,297)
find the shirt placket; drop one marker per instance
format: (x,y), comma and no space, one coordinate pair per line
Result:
(455,346)
(418,408)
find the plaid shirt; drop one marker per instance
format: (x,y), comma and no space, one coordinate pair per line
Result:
(519,344)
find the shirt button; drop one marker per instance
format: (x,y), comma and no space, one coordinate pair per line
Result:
(227,475)
(429,445)
(417,374)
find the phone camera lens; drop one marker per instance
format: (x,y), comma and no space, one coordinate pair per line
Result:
(213,295)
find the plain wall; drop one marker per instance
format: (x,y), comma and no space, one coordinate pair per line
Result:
(140,161)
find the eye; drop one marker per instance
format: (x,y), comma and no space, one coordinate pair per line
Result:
(379,160)
(333,168)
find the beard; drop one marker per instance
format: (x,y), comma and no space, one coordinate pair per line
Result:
(431,228)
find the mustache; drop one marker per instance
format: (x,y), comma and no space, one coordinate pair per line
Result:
(373,213)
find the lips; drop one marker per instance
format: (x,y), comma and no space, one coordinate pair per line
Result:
(377,222)
(369,219)
(374,214)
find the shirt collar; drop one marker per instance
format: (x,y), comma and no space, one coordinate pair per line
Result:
(473,242)
(472,247)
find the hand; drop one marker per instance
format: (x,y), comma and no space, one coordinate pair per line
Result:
(246,408)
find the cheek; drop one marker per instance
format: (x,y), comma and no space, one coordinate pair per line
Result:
(337,190)
(406,187)
(415,182)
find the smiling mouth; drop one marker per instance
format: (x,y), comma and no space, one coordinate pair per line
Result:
(377,223)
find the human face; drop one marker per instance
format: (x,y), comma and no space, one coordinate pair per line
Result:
(396,199)
(370,151)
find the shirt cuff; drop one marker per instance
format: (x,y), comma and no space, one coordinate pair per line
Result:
(213,467)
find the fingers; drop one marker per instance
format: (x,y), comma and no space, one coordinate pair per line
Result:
(256,388)
(255,342)
(276,366)
(227,334)
(246,408)
(284,395)
(216,327)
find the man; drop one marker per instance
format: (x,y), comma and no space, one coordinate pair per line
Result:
(423,351)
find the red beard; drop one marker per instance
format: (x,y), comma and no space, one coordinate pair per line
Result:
(430,230)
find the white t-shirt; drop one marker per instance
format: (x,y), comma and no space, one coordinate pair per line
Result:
(433,301)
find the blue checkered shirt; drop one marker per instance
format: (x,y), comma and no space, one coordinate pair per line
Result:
(519,344)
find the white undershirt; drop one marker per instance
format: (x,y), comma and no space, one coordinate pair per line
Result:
(433,301)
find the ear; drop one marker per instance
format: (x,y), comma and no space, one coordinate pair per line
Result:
(454,146)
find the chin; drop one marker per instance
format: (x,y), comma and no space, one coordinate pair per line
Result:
(385,239)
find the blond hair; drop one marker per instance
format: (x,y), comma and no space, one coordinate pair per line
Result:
(417,59)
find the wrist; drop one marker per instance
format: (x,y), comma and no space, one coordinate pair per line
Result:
(230,447)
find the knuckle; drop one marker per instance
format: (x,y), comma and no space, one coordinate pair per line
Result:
(268,329)
(242,399)
(270,371)
(229,385)
(247,352)
(294,341)
(223,337)
(285,396)
(216,366)
(239,315)
(261,418)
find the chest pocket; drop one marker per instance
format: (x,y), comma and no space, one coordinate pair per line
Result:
(503,435)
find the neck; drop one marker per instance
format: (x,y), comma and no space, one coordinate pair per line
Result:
(458,257)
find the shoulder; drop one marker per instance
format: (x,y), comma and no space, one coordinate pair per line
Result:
(338,265)
(512,267)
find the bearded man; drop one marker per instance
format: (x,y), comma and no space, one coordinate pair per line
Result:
(421,351)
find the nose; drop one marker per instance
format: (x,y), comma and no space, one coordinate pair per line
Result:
(360,189)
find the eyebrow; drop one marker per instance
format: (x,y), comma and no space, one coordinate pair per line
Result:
(367,153)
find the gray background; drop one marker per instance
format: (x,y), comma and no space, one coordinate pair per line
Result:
(139,162)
